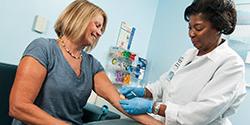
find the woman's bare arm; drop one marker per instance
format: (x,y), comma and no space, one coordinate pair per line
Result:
(104,88)
(29,79)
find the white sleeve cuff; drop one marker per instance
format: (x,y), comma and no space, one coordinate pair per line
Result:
(154,93)
(171,113)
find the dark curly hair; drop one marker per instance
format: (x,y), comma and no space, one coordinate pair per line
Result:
(221,13)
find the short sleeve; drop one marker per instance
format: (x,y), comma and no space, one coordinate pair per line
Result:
(97,66)
(38,49)
(94,64)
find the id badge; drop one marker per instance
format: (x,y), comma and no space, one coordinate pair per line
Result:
(170,75)
(175,68)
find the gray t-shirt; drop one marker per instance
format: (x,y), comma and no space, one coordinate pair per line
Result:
(63,93)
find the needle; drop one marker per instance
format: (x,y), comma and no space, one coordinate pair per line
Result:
(133,93)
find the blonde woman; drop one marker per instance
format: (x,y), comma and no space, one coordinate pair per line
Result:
(55,76)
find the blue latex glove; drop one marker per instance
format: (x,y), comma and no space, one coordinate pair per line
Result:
(137,105)
(131,92)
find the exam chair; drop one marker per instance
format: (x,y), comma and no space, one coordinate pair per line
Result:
(7,76)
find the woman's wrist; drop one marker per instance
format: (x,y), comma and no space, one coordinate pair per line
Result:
(156,108)
(147,94)
(159,108)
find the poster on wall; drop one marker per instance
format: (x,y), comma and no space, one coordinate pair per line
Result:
(125,36)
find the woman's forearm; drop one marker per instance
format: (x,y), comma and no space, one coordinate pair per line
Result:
(146,120)
(113,97)
(105,88)
(33,115)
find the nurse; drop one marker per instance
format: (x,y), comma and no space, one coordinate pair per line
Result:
(206,84)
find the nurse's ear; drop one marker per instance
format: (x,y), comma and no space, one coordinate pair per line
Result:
(219,33)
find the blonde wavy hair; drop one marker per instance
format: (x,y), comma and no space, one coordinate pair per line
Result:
(74,20)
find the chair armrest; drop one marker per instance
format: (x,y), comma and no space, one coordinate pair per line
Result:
(95,113)
(7,76)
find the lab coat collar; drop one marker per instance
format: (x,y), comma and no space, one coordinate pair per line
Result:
(215,54)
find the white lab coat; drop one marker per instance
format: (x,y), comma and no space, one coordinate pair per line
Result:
(202,90)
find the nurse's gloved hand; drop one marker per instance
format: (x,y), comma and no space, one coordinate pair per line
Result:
(131,92)
(137,106)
